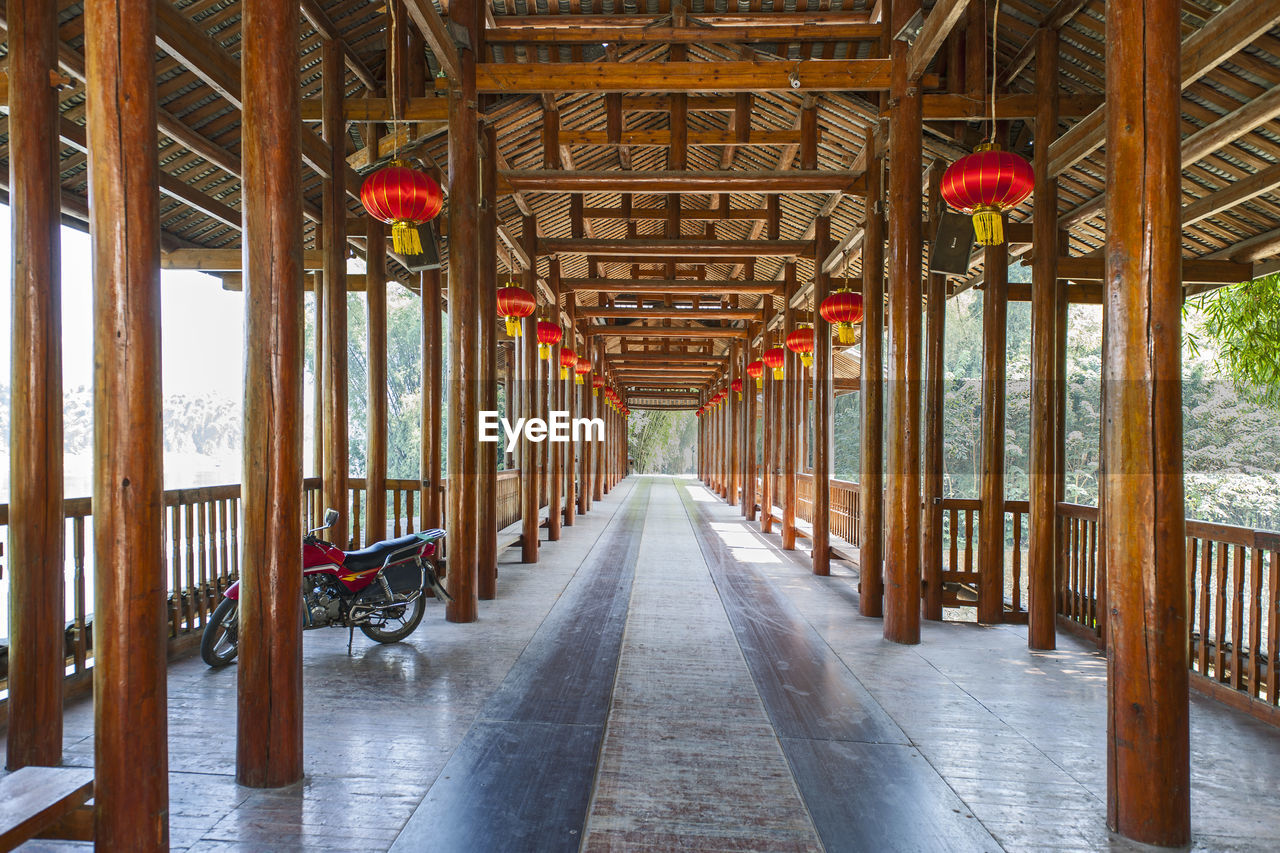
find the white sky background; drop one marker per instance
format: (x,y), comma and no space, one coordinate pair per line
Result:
(203,325)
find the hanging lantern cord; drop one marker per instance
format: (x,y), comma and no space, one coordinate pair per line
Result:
(995,30)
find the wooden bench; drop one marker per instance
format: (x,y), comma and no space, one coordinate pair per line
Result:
(46,802)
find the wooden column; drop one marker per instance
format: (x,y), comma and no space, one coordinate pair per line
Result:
(557,394)
(995,312)
(464,273)
(334,474)
(575,403)
(509,394)
(1042,588)
(36,586)
(767,405)
(733,418)
(934,396)
(871,535)
(317,402)
(902,493)
(433,391)
(752,466)
(375,505)
(131,750)
(529,392)
(789,412)
(823,399)
(487,357)
(1148,752)
(601,455)
(591,451)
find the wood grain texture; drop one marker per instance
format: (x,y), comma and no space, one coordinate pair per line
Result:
(934,398)
(130,618)
(902,487)
(487,357)
(790,414)
(335,472)
(375,505)
(430,462)
(1147,720)
(995,316)
(823,405)
(529,392)
(36,587)
(871,476)
(269,667)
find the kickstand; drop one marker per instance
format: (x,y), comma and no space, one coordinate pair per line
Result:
(350,639)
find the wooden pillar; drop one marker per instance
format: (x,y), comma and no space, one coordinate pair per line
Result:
(131,802)
(558,391)
(591,451)
(464,368)
(934,397)
(36,586)
(575,403)
(317,402)
(995,312)
(529,393)
(509,394)
(1042,588)
(1148,752)
(334,474)
(871,535)
(601,456)
(732,414)
(767,404)
(790,412)
(375,505)
(902,493)
(753,467)
(487,358)
(823,398)
(433,391)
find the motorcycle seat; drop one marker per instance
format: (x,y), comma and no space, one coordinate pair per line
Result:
(375,555)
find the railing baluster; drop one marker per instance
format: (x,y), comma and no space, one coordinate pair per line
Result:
(1220,614)
(1191,600)
(408,511)
(77,557)
(1255,619)
(395,499)
(202,600)
(1237,613)
(1273,626)
(1206,579)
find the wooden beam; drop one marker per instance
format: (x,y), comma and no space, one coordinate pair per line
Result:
(435,32)
(622,31)
(641,214)
(431,108)
(937,26)
(722,19)
(961,107)
(1194,270)
(678,287)
(1250,116)
(628,357)
(814,75)
(660,137)
(795,181)
(229,260)
(1242,190)
(674,248)
(324,26)
(670,314)
(692,332)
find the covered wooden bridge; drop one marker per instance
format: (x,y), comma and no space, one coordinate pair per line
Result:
(679,189)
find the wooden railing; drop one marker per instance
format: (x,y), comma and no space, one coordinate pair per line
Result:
(1233,602)
(960,572)
(844,510)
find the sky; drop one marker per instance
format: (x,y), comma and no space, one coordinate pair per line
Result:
(199,319)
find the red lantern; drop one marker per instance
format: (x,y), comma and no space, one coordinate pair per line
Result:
(843,309)
(756,371)
(985,184)
(568,361)
(774,359)
(580,370)
(800,342)
(515,303)
(597,382)
(736,385)
(549,335)
(404,197)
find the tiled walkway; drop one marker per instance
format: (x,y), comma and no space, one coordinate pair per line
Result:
(668,679)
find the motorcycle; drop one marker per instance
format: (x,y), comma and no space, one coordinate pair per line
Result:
(380,590)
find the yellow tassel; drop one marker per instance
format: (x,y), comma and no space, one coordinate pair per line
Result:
(847,334)
(759,383)
(404,238)
(513,327)
(595,392)
(544,351)
(564,373)
(988,225)
(739,396)
(807,359)
(777,373)
(577,379)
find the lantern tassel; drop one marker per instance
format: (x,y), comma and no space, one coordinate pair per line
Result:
(404,238)
(595,392)
(564,373)
(848,335)
(544,351)
(988,226)
(577,380)
(807,359)
(513,327)
(777,374)
(759,383)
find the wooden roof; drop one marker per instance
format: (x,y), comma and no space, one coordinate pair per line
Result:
(1231,99)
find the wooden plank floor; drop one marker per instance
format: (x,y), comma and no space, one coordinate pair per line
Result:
(668,679)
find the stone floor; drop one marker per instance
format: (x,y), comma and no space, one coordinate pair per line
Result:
(668,679)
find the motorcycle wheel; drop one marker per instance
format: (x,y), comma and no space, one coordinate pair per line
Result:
(219,644)
(393,630)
